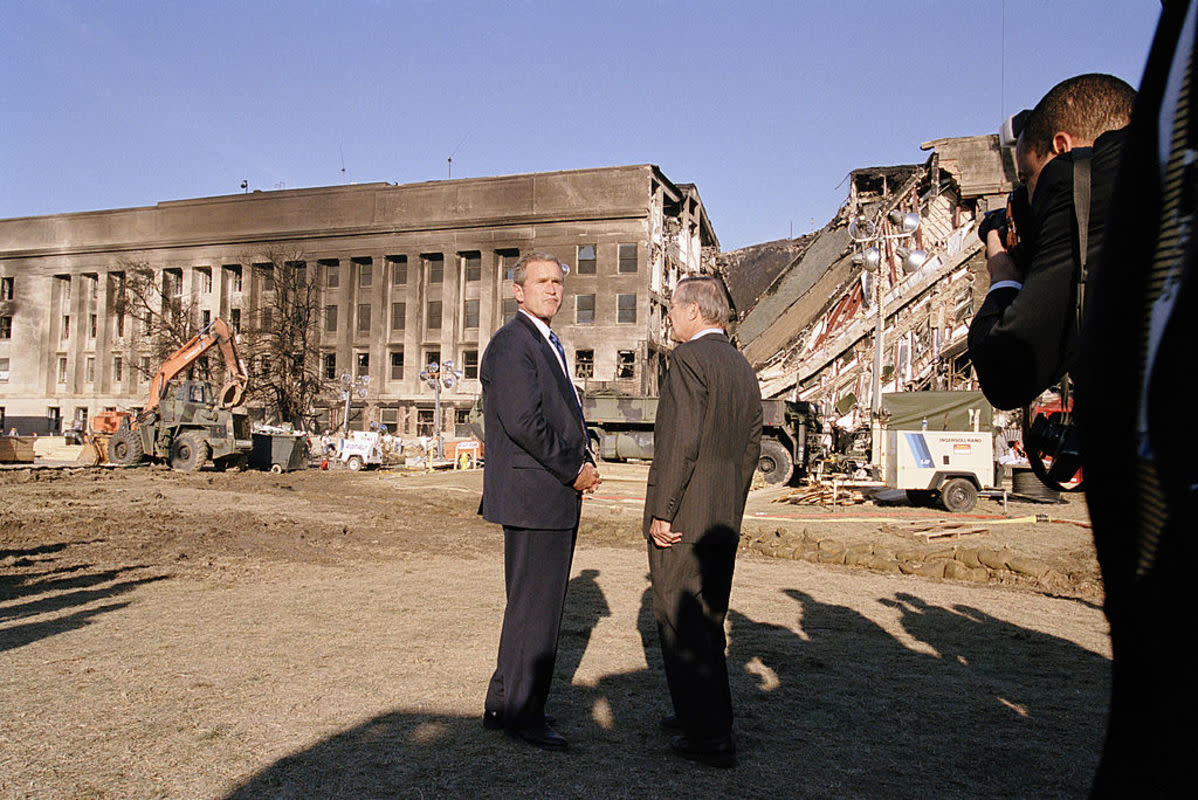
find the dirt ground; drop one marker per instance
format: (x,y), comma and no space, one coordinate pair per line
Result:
(330,634)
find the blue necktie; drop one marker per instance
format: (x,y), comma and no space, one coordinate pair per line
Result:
(557,344)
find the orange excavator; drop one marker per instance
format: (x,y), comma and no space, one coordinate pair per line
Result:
(184,422)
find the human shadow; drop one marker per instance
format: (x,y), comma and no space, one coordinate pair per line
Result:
(34,585)
(829,703)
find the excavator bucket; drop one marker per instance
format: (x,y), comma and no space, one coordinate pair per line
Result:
(94,452)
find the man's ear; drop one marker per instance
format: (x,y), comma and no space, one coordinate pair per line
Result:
(1062,142)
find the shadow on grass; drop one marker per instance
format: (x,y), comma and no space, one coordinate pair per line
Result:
(828,705)
(33,585)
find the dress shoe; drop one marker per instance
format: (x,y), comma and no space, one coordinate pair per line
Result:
(671,724)
(544,737)
(493,720)
(712,752)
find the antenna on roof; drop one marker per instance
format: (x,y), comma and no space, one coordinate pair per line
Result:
(342,149)
(455,151)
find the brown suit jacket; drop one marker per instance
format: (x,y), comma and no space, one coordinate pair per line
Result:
(706,439)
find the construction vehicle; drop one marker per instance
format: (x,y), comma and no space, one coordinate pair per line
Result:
(184,423)
(621,427)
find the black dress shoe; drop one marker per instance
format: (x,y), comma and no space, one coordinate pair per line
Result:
(671,724)
(712,752)
(493,720)
(544,737)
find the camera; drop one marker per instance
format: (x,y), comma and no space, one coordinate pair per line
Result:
(1006,223)
(1050,438)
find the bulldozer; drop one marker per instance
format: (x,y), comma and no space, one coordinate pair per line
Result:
(184,423)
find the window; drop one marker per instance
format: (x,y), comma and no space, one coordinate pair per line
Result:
(390,418)
(299,271)
(432,357)
(399,270)
(93,284)
(470,364)
(332,272)
(62,369)
(330,366)
(506,259)
(470,314)
(509,309)
(120,325)
(205,277)
(434,315)
(399,316)
(424,422)
(92,324)
(434,265)
(3,373)
(235,319)
(66,326)
(65,282)
(233,277)
(365,272)
(330,318)
(586,259)
(397,365)
(584,309)
(362,363)
(266,272)
(627,261)
(205,318)
(584,363)
(626,308)
(268,318)
(89,370)
(472,263)
(6,288)
(118,369)
(625,364)
(144,376)
(5,327)
(363,317)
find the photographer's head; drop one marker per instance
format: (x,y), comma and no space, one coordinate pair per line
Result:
(1074,113)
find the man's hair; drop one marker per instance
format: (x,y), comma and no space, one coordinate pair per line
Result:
(520,271)
(709,294)
(1085,107)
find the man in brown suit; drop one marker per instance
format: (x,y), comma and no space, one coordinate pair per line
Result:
(707,439)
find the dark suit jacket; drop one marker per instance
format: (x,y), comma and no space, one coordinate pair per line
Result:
(706,439)
(535,441)
(1110,361)
(1022,341)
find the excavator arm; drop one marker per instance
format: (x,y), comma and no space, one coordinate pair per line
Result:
(216,334)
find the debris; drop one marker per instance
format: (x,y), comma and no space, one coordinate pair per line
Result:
(934,530)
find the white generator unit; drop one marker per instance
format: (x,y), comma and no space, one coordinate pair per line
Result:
(948,467)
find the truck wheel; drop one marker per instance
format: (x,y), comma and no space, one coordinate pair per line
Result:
(189,452)
(593,443)
(958,496)
(775,463)
(276,468)
(354,463)
(124,447)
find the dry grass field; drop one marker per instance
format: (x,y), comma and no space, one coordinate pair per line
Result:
(330,634)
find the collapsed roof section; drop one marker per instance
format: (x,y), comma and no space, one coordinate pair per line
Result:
(810,331)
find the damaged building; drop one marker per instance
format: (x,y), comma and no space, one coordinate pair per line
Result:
(408,274)
(808,308)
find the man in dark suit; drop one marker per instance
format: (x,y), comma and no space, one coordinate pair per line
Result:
(1138,437)
(1023,338)
(536,469)
(706,442)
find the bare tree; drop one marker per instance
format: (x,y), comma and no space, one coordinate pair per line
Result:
(163,315)
(282,338)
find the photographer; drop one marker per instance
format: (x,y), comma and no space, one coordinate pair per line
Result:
(1022,339)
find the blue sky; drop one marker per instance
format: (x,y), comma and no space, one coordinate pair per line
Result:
(766,106)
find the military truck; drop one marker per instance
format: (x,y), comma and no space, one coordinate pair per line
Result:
(621,427)
(184,423)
